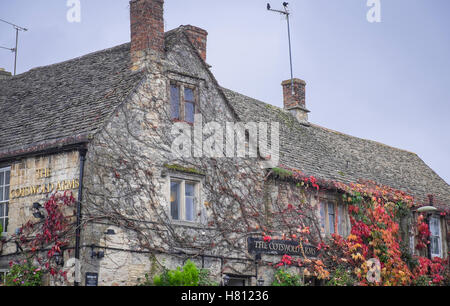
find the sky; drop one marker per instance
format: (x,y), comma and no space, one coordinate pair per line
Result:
(386,81)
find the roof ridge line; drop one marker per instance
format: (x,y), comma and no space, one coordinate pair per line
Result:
(328,129)
(69,60)
(365,139)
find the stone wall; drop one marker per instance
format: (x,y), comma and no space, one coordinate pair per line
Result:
(33,179)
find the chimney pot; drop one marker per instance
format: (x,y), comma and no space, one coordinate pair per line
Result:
(294,99)
(4,74)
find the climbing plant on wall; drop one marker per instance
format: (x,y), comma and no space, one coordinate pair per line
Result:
(40,241)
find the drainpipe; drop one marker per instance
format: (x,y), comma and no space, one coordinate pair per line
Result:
(78,224)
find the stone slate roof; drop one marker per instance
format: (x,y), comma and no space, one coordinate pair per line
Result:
(331,155)
(68,102)
(65,102)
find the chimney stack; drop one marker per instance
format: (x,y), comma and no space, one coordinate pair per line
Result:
(294,100)
(198,38)
(4,74)
(147,31)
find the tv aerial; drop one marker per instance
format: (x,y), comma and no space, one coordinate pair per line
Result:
(286,13)
(17,29)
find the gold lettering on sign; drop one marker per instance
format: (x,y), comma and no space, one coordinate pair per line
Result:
(44,189)
(43,173)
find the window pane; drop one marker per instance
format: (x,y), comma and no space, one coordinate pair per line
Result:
(189,109)
(2,210)
(7,177)
(331,215)
(435,246)
(190,205)
(434,226)
(341,220)
(175,200)
(322,216)
(1,193)
(6,193)
(175,102)
(188,95)
(190,189)
(189,209)
(2,178)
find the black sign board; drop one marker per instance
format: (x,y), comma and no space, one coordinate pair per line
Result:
(91,279)
(280,247)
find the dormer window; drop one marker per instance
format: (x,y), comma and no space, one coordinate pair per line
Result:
(183,102)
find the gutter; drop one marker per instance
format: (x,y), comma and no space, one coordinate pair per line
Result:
(83,153)
(45,147)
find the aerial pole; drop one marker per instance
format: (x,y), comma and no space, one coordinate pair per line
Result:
(17,28)
(286,13)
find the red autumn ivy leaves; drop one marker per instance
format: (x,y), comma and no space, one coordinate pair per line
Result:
(375,213)
(51,233)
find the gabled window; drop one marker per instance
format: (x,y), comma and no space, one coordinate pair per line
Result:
(183,199)
(333,218)
(183,102)
(435,237)
(5,174)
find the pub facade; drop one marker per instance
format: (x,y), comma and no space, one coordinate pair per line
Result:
(116,133)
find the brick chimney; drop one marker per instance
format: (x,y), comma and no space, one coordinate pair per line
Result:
(198,38)
(294,100)
(147,31)
(4,74)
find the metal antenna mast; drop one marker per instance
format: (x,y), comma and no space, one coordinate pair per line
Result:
(17,28)
(286,13)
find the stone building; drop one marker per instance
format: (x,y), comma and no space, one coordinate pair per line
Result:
(102,126)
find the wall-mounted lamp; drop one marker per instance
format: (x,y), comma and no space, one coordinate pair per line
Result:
(98,254)
(37,214)
(59,258)
(260,282)
(226,280)
(110,232)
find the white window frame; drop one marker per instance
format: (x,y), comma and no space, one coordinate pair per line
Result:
(435,217)
(2,172)
(182,209)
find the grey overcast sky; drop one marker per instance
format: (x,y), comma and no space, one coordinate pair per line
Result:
(386,81)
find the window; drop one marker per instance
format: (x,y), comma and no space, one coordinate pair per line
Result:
(189,105)
(3,274)
(411,241)
(333,218)
(5,174)
(435,237)
(175,101)
(182,103)
(183,200)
